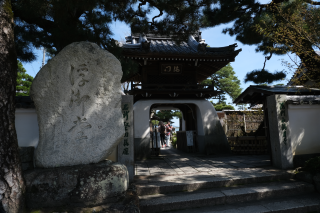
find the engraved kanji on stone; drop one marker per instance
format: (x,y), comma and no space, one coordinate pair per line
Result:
(82,70)
(83,81)
(126,107)
(126,134)
(126,125)
(125,151)
(283,127)
(125,115)
(125,142)
(75,98)
(81,124)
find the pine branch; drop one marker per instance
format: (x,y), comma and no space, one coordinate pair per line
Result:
(312,2)
(40,22)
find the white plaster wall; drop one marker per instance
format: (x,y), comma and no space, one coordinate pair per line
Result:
(205,115)
(304,124)
(27,127)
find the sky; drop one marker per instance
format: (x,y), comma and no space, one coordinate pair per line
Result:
(247,60)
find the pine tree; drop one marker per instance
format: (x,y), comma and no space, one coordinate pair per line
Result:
(24,81)
(248,14)
(54,24)
(225,80)
(11,182)
(221,106)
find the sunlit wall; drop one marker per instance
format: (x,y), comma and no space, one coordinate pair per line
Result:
(304,124)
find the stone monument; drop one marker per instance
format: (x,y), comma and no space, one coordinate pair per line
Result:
(78,102)
(281,147)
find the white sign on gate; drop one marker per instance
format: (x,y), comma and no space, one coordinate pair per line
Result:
(189,138)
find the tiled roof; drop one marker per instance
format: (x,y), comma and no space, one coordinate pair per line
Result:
(156,45)
(256,94)
(284,89)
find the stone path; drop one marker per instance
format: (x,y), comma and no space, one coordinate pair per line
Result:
(175,162)
(194,183)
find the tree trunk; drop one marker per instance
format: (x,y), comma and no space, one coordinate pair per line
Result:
(11,182)
(310,60)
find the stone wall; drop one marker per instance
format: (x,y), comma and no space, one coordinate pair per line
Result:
(294,128)
(82,185)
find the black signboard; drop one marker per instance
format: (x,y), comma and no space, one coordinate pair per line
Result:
(171,68)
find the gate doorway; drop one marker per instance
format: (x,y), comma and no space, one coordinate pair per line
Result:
(185,138)
(198,116)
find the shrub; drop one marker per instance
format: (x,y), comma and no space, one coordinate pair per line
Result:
(313,165)
(174,142)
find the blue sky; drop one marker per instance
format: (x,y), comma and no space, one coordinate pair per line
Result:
(246,61)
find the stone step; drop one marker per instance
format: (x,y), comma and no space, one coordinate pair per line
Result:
(224,195)
(293,204)
(225,177)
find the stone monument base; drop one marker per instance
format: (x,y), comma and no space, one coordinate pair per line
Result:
(82,185)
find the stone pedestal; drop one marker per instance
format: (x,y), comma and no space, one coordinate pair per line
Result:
(281,148)
(82,185)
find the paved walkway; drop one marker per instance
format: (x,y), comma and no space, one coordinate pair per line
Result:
(175,162)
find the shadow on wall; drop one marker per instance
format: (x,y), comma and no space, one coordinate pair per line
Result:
(296,140)
(214,139)
(304,128)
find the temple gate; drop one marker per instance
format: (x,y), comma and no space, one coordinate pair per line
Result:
(169,76)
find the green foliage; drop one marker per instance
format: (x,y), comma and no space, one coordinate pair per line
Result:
(164,115)
(313,165)
(277,27)
(24,81)
(226,81)
(174,141)
(177,114)
(54,24)
(264,76)
(293,27)
(167,115)
(155,122)
(221,106)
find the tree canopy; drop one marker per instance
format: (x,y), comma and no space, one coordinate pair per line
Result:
(24,81)
(167,115)
(54,24)
(268,27)
(297,32)
(221,106)
(226,81)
